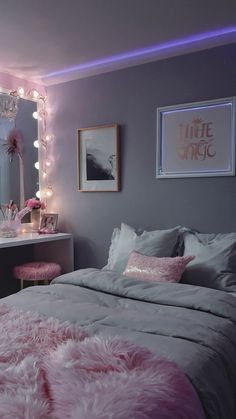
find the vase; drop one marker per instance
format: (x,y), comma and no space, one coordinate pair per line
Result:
(35,219)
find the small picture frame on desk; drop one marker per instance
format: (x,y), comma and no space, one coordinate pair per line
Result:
(48,223)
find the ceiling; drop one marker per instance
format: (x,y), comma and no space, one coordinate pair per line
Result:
(52,41)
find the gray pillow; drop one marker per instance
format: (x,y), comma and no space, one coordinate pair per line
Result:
(150,243)
(214,265)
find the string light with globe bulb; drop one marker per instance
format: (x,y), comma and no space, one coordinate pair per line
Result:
(44,140)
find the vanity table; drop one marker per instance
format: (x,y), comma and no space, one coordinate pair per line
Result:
(28,247)
(16,113)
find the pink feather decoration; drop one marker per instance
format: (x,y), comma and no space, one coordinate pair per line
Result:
(14,143)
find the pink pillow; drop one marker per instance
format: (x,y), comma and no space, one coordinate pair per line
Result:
(156,269)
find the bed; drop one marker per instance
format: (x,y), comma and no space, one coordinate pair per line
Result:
(179,333)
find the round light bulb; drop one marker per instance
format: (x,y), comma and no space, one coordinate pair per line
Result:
(49,192)
(36,165)
(35,115)
(36,144)
(35,93)
(49,138)
(38,194)
(21,91)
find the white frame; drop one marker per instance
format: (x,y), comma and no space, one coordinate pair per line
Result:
(162,140)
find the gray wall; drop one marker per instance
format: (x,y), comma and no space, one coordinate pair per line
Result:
(130,97)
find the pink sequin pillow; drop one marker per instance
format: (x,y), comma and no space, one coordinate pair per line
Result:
(156,269)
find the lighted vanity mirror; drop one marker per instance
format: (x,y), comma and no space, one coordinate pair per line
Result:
(17,113)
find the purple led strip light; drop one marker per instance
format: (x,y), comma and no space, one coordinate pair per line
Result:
(147,51)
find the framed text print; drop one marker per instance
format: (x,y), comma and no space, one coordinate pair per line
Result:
(196,139)
(99,159)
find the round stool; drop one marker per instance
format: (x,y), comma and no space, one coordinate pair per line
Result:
(36,272)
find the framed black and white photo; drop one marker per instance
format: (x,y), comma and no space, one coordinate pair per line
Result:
(196,139)
(99,159)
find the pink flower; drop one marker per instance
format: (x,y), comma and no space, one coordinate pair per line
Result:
(35,203)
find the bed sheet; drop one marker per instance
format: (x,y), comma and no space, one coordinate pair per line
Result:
(193,326)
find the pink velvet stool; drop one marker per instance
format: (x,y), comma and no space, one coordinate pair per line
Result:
(37,272)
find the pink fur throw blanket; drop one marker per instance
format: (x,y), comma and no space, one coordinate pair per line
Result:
(50,369)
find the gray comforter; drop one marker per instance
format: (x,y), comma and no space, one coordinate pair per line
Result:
(193,326)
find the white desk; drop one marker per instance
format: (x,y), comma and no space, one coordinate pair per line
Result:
(46,247)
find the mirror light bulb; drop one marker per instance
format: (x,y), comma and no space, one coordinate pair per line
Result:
(34,93)
(38,194)
(21,91)
(35,115)
(36,144)
(36,165)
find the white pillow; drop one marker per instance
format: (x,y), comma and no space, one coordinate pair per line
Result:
(114,241)
(215,262)
(159,243)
